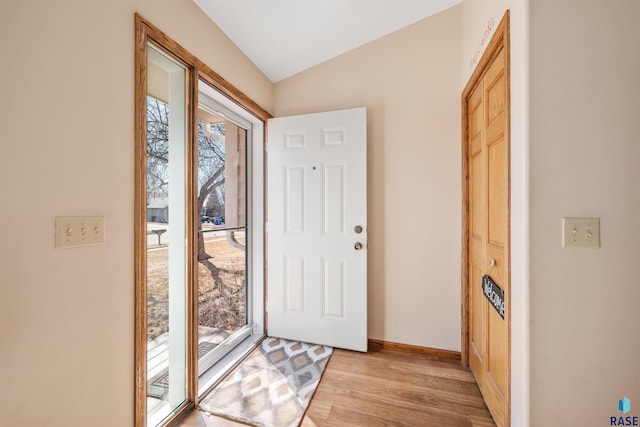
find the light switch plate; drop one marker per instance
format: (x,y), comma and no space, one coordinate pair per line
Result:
(73,231)
(583,232)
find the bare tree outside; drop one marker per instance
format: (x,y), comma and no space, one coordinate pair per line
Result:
(221,267)
(157,148)
(211,162)
(211,168)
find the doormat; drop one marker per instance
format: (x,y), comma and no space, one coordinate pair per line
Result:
(273,386)
(158,386)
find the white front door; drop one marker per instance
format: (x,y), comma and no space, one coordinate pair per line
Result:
(317,228)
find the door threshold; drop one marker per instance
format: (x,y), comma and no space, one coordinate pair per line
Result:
(210,378)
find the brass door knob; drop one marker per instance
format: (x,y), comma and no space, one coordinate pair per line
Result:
(357,246)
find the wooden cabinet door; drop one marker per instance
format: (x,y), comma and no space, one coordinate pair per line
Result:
(487,151)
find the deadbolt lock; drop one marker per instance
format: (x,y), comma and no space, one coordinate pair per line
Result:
(357,229)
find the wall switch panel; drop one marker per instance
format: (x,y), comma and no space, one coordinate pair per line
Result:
(73,231)
(583,232)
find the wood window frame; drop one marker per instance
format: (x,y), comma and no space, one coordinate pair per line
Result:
(145,34)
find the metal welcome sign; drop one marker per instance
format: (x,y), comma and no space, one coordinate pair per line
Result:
(494,294)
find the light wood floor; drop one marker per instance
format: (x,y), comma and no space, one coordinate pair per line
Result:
(386,388)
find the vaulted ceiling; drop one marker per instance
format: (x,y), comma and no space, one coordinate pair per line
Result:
(284,37)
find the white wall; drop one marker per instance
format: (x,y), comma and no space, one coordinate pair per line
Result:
(585,150)
(479,20)
(408,81)
(67,148)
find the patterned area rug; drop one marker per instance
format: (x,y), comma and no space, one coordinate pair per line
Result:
(273,386)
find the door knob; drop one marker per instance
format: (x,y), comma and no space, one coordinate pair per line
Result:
(357,246)
(357,229)
(492,262)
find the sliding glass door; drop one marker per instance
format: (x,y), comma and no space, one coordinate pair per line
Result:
(223,234)
(199,227)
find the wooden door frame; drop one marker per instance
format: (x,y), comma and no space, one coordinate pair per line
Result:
(499,41)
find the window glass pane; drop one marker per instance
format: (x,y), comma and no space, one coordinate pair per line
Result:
(166,234)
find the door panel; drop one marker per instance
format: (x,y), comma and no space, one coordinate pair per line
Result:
(333,199)
(295,199)
(478,314)
(497,190)
(317,196)
(295,284)
(334,299)
(477,199)
(497,353)
(488,240)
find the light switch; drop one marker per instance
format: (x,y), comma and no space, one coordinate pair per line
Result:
(583,232)
(73,231)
